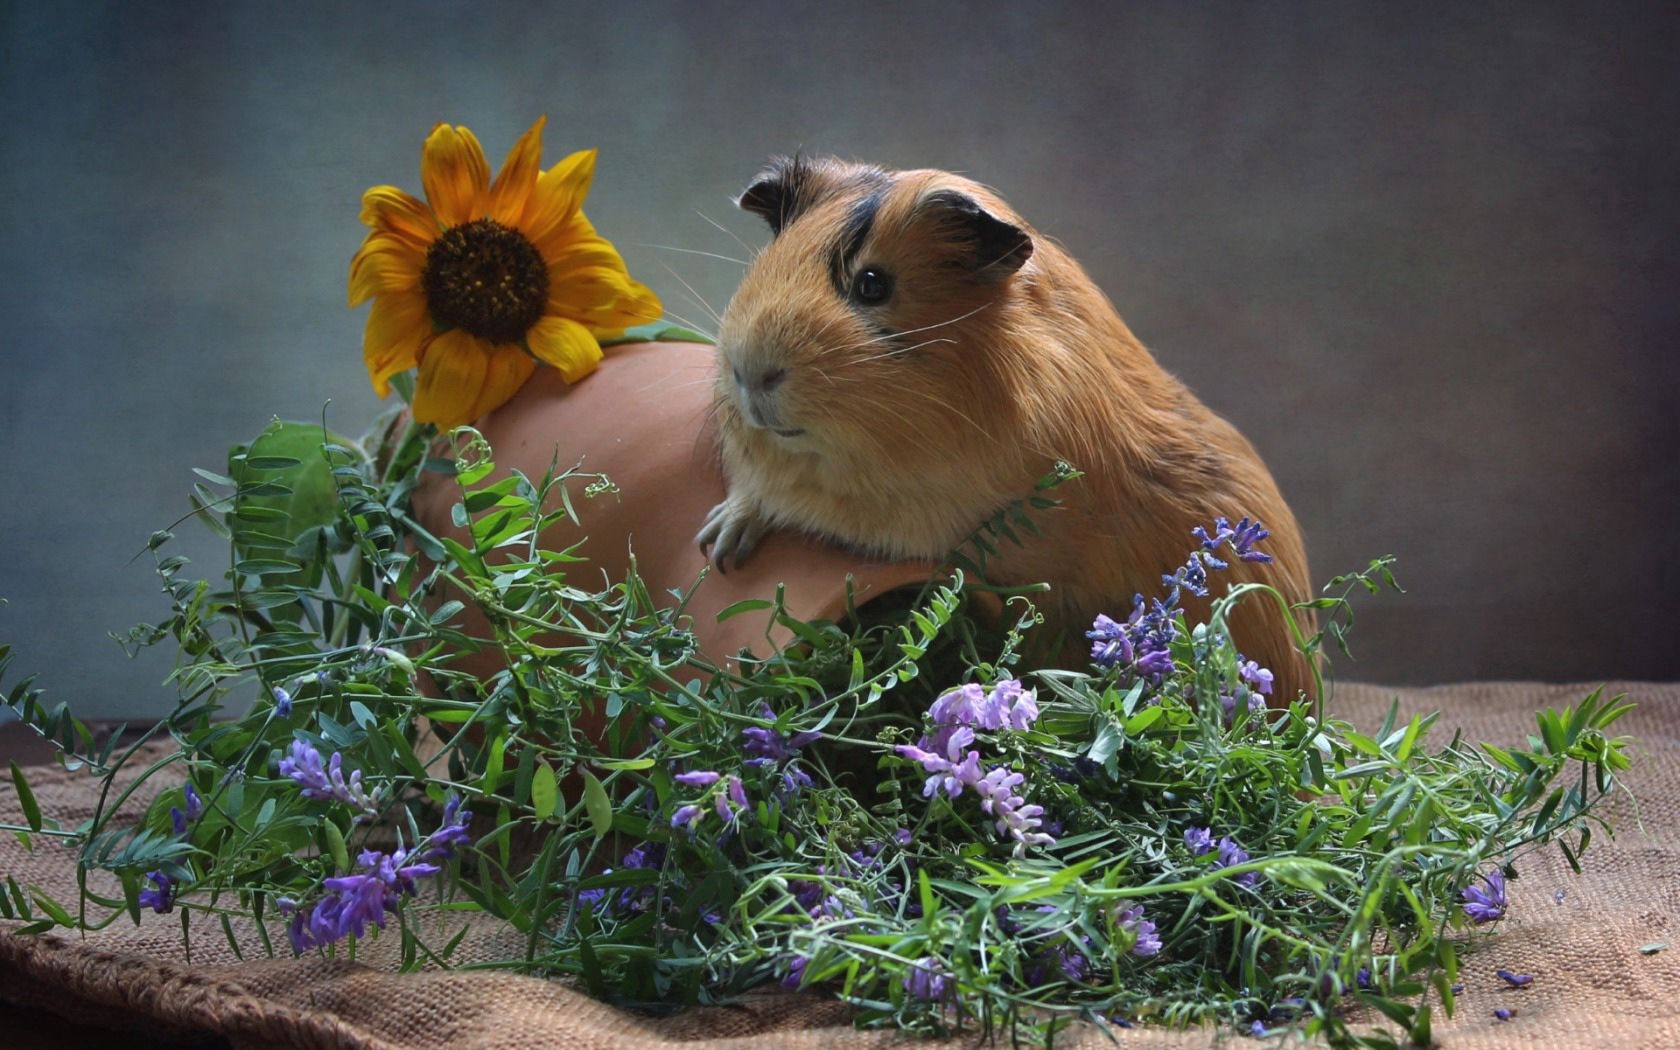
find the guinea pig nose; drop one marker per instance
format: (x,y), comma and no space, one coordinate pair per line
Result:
(772,378)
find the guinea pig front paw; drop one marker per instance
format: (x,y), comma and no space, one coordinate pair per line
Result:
(732,531)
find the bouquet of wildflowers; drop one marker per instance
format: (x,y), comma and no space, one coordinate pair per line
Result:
(898,809)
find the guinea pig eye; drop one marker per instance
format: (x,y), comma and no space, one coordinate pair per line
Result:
(871,287)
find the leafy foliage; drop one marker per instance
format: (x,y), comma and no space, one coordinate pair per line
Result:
(813,856)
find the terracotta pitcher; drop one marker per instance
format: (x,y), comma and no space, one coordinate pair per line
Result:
(641,419)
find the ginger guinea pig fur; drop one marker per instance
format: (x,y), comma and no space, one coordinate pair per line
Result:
(908,356)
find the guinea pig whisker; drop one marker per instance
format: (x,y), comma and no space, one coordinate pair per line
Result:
(699,299)
(909,331)
(724,229)
(695,251)
(688,323)
(901,351)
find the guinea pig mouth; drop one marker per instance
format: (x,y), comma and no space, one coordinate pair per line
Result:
(786,433)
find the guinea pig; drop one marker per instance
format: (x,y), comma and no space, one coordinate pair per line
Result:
(908,356)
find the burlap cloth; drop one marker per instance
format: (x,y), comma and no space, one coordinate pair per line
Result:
(1592,985)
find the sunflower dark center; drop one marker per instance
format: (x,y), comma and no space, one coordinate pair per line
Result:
(487,279)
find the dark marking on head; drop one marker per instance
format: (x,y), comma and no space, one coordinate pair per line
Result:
(789,186)
(854,230)
(777,193)
(993,248)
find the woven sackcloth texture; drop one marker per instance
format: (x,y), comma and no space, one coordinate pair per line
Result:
(1593,987)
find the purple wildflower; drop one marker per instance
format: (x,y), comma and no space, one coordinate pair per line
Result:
(1110,645)
(282,703)
(1242,537)
(646,855)
(325,781)
(455,830)
(1230,855)
(1256,676)
(689,815)
(1484,906)
(1200,840)
(1258,1030)
(794,780)
(1515,980)
(767,747)
(796,973)
(927,980)
(1502,1013)
(195,809)
(160,897)
(699,778)
(1007,705)
(353,902)
(902,836)
(1147,941)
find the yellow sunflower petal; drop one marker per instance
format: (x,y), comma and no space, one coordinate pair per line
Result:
(565,344)
(455,174)
(518,176)
(462,377)
(397,327)
(390,210)
(384,265)
(559,196)
(601,297)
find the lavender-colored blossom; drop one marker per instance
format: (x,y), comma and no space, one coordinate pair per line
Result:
(646,855)
(1258,1030)
(1142,644)
(927,979)
(282,702)
(767,747)
(1515,980)
(1228,702)
(160,896)
(698,778)
(1256,676)
(455,830)
(1484,906)
(796,973)
(1007,705)
(1502,1013)
(355,901)
(1148,941)
(689,815)
(1110,645)
(1200,840)
(1230,855)
(325,780)
(1242,537)
(794,780)
(902,836)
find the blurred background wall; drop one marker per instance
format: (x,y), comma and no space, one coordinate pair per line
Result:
(1424,256)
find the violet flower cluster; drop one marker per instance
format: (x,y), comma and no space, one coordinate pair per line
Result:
(728,797)
(325,780)
(355,901)
(1200,841)
(1142,644)
(1484,906)
(952,767)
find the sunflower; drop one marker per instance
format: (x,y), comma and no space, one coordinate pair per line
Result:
(482,280)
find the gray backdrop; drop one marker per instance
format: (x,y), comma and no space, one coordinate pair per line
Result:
(1424,257)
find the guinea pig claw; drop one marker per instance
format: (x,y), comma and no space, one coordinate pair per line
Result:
(732,533)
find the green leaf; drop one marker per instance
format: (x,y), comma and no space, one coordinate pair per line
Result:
(26,799)
(597,804)
(336,847)
(743,606)
(545,790)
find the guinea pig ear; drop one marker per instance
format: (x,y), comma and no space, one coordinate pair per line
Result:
(780,192)
(990,247)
